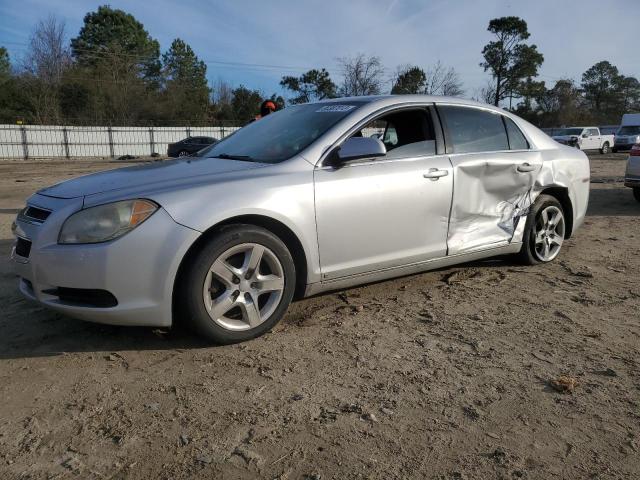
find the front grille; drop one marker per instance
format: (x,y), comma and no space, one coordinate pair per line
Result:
(35,214)
(23,247)
(83,297)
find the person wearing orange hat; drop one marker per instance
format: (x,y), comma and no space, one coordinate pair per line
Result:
(267,107)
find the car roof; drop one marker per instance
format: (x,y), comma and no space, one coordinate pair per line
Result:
(374,102)
(384,100)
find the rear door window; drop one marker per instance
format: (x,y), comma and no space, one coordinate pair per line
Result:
(474,130)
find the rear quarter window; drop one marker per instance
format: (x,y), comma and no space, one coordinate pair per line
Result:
(517,141)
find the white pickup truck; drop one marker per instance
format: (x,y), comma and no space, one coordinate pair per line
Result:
(585,138)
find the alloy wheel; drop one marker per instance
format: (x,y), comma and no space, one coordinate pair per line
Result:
(549,233)
(243,287)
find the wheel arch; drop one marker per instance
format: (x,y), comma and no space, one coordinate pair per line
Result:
(562,195)
(282,231)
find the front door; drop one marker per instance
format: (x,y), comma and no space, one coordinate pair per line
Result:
(389,211)
(593,141)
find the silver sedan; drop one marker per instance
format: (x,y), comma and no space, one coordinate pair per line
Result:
(316,197)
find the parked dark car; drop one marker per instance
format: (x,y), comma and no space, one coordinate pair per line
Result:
(189,146)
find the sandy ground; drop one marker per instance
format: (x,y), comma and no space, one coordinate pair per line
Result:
(441,375)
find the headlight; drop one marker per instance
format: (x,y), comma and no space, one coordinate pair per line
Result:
(105,222)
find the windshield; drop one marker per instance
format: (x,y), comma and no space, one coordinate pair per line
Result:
(629,130)
(281,135)
(568,131)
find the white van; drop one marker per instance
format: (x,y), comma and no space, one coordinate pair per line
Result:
(629,133)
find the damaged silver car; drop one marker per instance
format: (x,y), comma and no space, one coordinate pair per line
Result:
(313,198)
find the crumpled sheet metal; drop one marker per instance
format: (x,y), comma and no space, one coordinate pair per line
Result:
(480,215)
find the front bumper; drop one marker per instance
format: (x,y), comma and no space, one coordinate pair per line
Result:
(139,268)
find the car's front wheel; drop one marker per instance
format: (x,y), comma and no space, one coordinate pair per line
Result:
(239,285)
(544,232)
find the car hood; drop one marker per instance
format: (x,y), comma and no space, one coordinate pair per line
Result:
(145,176)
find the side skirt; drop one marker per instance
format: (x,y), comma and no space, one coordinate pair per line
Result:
(385,274)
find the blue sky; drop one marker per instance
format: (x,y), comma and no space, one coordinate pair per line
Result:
(293,36)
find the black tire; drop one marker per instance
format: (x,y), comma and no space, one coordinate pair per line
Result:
(636,193)
(527,254)
(183,153)
(191,303)
(605,148)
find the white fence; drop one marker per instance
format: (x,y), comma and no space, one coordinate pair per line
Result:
(41,141)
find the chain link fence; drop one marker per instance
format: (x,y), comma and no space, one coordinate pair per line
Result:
(50,141)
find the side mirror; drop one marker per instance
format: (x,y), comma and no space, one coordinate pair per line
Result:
(360,147)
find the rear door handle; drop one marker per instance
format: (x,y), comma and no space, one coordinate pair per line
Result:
(525,167)
(435,173)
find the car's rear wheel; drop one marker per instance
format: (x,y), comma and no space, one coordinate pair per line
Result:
(605,148)
(544,232)
(636,193)
(239,285)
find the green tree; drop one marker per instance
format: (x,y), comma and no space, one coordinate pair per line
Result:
(118,63)
(608,93)
(599,84)
(629,91)
(409,80)
(561,105)
(529,91)
(75,98)
(5,65)
(186,91)
(508,58)
(245,104)
(310,86)
(15,104)
(108,32)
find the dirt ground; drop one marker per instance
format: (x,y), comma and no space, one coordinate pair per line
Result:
(444,375)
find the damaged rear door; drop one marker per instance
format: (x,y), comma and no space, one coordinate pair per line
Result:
(494,173)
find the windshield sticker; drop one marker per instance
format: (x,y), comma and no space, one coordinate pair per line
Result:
(336,108)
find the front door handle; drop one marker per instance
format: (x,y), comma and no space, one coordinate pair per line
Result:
(525,167)
(435,173)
